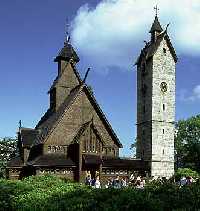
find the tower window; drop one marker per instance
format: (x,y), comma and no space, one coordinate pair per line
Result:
(163,107)
(163,151)
(164,50)
(163,131)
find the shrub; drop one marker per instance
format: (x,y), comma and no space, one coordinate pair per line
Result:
(52,193)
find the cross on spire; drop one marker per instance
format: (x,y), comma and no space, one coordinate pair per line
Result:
(156,9)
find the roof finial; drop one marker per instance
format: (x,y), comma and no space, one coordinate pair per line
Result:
(67,28)
(156,9)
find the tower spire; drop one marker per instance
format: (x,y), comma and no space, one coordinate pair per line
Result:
(67,52)
(156,28)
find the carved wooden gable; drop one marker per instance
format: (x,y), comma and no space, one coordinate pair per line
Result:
(91,141)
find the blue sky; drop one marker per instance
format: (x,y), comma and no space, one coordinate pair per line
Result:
(108,36)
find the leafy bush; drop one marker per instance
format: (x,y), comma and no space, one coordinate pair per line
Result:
(185,172)
(52,193)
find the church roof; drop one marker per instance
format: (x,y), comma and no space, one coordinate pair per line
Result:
(137,164)
(15,162)
(151,47)
(156,26)
(52,160)
(28,135)
(54,118)
(67,53)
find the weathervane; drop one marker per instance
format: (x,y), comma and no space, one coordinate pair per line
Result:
(156,9)
(67,27)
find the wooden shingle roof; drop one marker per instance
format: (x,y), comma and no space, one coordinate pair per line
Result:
(15,162)
(28,136)
(52,160)
(156,26)
(137,164)
(45,132)
(67,53)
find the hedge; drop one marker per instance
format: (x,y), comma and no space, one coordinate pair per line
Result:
(52,193)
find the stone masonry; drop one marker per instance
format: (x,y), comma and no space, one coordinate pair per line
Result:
(156,106)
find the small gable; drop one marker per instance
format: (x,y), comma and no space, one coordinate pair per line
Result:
(89,138)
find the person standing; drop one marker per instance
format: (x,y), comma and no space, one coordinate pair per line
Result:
(97,183)
(88,180)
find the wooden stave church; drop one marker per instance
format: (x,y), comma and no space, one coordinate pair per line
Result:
(57,145)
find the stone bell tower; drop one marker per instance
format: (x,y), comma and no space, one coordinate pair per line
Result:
(156,102)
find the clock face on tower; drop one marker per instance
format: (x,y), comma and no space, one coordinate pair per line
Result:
(163,87)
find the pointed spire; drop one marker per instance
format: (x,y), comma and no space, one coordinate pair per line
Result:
(156,27)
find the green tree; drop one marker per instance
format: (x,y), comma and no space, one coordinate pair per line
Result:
(187,143)
(8,149)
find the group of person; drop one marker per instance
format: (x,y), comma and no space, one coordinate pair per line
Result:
(186,181)
(133,181)
(117,182)
(95,182)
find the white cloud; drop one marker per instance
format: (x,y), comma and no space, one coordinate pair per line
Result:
(196,93)
(194,96)
(112,33)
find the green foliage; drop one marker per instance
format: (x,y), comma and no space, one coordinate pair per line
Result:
(52,193)
(187,143)
(185,172)
(8,149)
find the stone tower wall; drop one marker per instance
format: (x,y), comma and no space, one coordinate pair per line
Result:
(155,126)
(163,112)
(144,100)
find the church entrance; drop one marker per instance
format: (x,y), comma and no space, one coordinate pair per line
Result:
(91,164)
